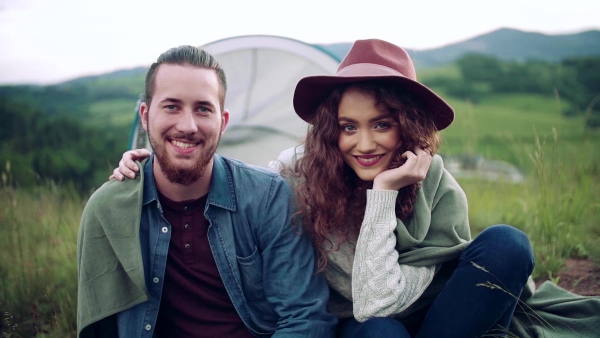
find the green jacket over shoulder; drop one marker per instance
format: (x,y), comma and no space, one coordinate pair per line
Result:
(105,258)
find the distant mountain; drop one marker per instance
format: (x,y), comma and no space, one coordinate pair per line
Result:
(137,73)
(506,44)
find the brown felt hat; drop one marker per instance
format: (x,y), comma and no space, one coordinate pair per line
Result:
(371,60)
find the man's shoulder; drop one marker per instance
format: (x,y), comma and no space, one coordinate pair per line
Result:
(249,170)
(112,193)
(245,177)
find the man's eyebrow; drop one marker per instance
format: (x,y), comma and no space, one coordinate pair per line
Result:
(204,103)
(174,100)
(171,99)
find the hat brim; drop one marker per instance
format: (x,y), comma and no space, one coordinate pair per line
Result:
(312,90)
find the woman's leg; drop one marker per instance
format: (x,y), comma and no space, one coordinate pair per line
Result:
(481,295)
(372,328)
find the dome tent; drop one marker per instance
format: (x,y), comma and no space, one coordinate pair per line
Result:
(262,72)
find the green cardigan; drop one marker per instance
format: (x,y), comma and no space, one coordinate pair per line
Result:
(109,259)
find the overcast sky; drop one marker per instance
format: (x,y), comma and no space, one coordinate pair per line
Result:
(49,41)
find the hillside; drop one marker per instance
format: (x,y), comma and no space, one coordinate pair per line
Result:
(506,44)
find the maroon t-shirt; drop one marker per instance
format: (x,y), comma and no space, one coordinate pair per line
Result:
(194,301)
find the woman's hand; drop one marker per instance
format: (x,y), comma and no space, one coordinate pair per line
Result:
(127,166)
(412,171)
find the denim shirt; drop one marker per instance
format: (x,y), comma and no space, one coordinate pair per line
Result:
(267,268)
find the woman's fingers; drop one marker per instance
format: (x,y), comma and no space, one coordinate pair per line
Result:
(127,166)
(423,160)
(117,175)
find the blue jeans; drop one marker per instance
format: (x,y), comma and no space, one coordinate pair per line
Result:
(477,299)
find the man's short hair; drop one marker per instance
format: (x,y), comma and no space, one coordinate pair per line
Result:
(186,56)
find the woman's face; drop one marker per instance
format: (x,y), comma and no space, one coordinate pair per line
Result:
(368,136)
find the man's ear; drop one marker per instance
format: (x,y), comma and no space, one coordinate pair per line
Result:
(224,120)
(144,115)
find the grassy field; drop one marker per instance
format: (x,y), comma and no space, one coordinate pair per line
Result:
(557,206)
(38,236)
(559,202)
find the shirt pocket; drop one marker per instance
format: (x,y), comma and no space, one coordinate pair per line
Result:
(251,273)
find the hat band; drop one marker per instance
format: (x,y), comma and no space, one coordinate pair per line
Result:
(369,70)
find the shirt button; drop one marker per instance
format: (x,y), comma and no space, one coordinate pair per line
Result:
(165,230)
(187,246)
(148,327)
(155,279)
(187,226)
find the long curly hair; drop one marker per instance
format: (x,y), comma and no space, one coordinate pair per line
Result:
(331,197)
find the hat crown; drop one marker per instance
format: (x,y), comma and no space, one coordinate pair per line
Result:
(379,52)
(371,60)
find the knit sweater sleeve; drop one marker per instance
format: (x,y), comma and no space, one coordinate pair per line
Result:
(380,286)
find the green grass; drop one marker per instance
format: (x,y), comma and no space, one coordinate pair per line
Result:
(497,127)
(38,234)
(558,204)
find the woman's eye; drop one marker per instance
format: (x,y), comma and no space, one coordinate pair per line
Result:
(348,128)
(382,125)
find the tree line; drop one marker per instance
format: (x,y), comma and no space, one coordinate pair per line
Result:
(575,80)
(50,141)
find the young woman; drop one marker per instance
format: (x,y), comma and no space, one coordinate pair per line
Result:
(389,222)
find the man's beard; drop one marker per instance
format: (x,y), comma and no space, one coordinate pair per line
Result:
(184,176)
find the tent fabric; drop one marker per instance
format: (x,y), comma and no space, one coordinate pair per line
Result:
(262,72)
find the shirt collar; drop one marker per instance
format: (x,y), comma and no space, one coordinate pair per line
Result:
(222,191)
(150,193)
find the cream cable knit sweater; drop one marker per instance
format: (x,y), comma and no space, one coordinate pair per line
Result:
(380,286)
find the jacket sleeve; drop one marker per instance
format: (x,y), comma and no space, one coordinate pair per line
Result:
(297,293)
(380,285)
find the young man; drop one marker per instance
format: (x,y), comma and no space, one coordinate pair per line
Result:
(198,245)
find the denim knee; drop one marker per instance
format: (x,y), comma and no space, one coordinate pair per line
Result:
(376,327)
(503,247)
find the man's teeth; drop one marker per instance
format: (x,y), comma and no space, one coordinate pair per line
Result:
(182,145)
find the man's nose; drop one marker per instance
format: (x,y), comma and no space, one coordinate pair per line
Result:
(186,122)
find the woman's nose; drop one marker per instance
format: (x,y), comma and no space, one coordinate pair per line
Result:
(366,143)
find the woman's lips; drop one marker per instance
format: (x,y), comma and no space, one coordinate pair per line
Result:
(368,160)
